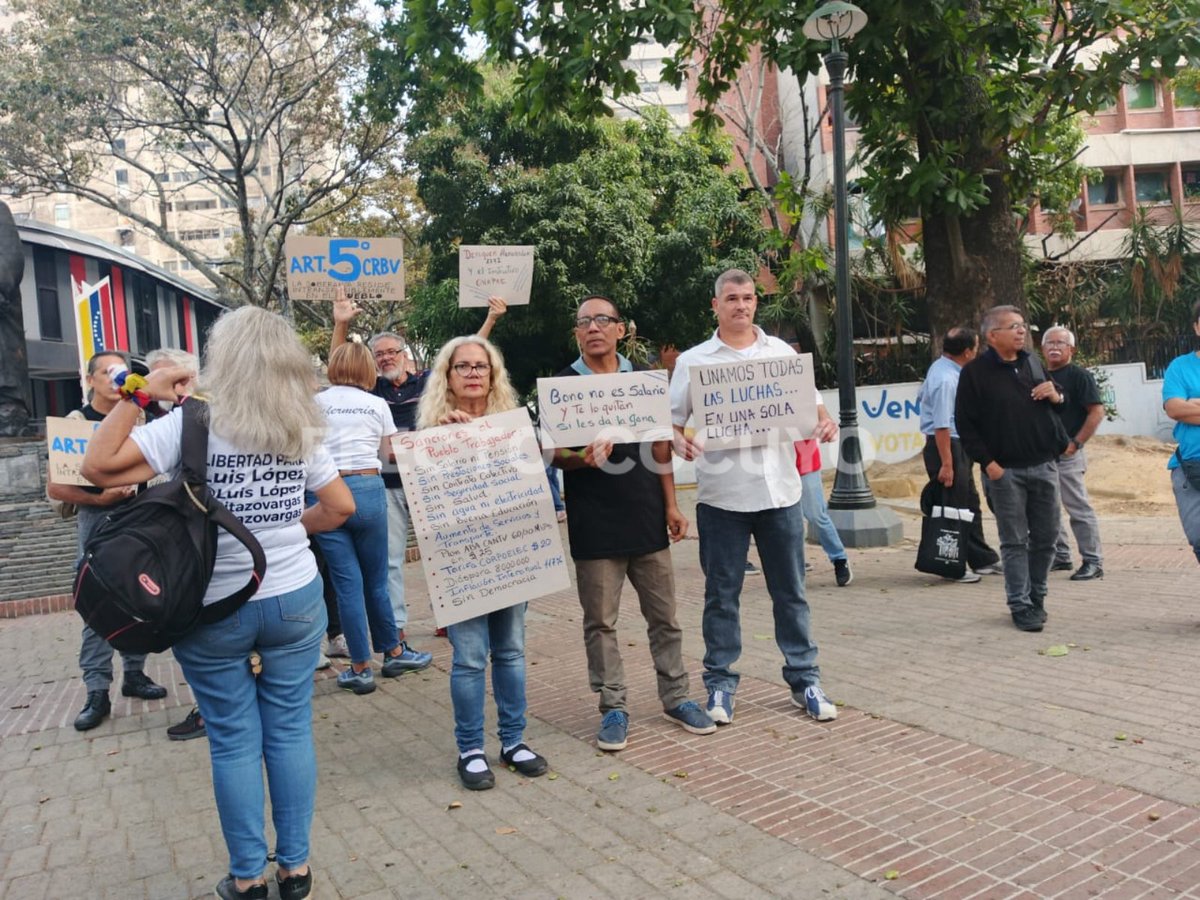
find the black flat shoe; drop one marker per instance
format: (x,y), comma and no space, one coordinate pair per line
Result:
(294,887)
(138,684)
(530,768)
(227,890)
(94,711)
(1087,572)
(475,781)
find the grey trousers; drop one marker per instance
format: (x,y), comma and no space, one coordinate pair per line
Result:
(95,653)
(397,510)
(1187,499)
(1026,505)
(1078,505)
(600,582)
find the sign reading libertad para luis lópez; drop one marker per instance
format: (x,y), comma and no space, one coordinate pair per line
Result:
(504,272)
(625,407)
(67,440)
(742,404)
(368,268)
(482,512)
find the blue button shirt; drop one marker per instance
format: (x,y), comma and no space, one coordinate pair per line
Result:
(936,397)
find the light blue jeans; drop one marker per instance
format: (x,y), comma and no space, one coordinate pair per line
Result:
(357,556)
(502,634)
(264,719)
(812,504)
(1025,503)
(397,523)
(724,543)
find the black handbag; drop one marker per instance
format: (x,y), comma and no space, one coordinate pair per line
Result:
(943,548)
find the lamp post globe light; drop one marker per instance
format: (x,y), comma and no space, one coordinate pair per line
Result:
(859,521)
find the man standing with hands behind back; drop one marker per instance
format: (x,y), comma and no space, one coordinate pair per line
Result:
(1005,418)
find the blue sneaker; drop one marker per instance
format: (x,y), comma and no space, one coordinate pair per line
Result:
(407,660)
(720,707)
(360,682)
(690,717)
(814,702)
(614,728)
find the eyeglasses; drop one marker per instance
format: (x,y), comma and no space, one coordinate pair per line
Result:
(1056,343)
(384,354)
(1015,326)
(602,321)
(465,369)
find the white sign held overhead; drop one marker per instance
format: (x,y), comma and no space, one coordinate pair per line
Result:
(368,268)
(504,272)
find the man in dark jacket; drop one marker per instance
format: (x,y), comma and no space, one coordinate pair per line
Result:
(1007,424)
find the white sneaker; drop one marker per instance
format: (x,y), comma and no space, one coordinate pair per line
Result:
(994,569)
(323,662)
(969,577)
(337,647)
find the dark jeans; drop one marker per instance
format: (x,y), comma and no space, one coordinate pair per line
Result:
(963,495)
(1025,502)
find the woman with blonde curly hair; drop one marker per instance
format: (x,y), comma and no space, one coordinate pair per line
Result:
(260,461)
(467,380)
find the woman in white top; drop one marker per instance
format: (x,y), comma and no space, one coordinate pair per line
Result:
(360,424)
(261,459)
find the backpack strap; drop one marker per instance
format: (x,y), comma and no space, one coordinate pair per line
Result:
(194,452)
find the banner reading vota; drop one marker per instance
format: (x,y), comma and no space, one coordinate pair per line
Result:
(368,268)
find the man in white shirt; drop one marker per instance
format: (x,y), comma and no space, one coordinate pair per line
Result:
(752,491)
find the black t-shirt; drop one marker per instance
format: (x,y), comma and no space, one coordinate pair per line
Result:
(402,400)
(615,513)
(1080,391)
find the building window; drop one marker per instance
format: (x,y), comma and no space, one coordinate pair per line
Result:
(1187,96)
(199,234)
(122,177)
(171,265)
(1105,191)
(145,313)
(62,214)
(1191,180)
(118,146)
(1142,94)
(45,276)
(1151,187)
(163,177)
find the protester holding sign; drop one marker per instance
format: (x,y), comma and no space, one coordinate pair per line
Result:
(95,653)
(468,380)
(259,467)
(623,511)
(751,491)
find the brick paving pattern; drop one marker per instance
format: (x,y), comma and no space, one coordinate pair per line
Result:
(964,763)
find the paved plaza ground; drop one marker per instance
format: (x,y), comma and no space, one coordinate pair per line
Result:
(964,762)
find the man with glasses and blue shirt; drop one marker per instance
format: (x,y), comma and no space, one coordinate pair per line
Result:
(1181,401)
(743,493)
(1007,424)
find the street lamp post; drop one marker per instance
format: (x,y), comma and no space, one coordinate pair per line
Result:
(859,520)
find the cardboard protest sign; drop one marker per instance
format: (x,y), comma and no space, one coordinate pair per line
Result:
(368,268)
(67,440)
(481,508)
(504,272)
(625,407)
(755,401)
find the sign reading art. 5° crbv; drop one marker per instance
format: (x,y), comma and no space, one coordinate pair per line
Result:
(67,440)
(368,268)
(743,404)
(482,512)
(504,272)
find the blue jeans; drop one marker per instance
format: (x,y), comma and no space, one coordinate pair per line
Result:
(268,718)
(724,543)
(357,556)
(397,522)
(1025,504)
(95,653)
(503,634)
(812,504)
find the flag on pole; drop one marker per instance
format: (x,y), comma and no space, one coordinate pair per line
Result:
(95,322)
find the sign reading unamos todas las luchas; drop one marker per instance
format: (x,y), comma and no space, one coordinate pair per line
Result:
(368,268)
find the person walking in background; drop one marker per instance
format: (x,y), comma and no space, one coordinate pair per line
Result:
(624,517)
(813,505)
(1005,418)
(1181,401)
(93,504)
(359,425)
(743,493)
(946,462)
(1081,412)
(468,379)
(254,714)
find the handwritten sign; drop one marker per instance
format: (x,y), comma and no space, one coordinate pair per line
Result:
(747,403)
(504,272)
(482,512)
(67,440)
(626,408)
(368,268)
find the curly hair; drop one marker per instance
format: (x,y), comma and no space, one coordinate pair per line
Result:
(437,400)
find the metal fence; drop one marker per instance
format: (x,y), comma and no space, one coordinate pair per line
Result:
(1156,352)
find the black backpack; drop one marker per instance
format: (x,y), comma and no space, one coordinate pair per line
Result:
(144,572)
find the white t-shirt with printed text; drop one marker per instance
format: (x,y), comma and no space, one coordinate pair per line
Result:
(265,491)
(358,421)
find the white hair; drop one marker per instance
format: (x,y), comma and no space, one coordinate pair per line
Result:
(172,356)
(1064,329)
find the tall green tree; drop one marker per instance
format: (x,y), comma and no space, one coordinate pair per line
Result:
(628,209)
(246,103)
(962,103)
